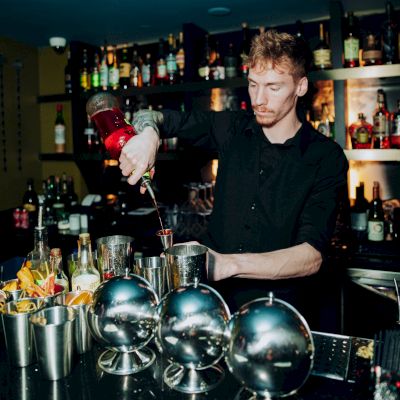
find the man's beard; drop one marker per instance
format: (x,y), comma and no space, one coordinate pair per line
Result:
(266,121)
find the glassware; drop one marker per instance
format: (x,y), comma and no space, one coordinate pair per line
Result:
(39,256)
(85,276)
(57,266)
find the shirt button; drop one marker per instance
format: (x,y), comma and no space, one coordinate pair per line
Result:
(253,206)
(261,171)
(240,248)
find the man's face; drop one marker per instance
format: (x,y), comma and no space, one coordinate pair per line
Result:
(273,93)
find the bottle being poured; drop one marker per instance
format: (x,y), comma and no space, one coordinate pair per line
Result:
(103,109)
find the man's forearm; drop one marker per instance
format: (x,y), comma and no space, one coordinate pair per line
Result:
(144,118)
(293,262)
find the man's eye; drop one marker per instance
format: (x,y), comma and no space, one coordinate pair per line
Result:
(274,88)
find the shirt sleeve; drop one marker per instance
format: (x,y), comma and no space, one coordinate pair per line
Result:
(318,218)
(205,129)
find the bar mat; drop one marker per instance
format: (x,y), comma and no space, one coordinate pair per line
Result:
(341,357)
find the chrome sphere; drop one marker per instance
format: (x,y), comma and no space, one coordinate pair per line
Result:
(192,326)
(123,315)
(270,349)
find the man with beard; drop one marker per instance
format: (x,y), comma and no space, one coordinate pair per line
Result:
(279,181)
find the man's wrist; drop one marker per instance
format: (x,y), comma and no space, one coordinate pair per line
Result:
(145,118)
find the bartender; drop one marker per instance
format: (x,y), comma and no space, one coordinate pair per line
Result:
(279,181)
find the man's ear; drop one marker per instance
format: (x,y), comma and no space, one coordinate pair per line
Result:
(302,86)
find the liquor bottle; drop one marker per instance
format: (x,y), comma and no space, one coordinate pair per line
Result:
(124,69)
(113,72)
(244,50)
(381,123)
(217,69)
(180,58)
(204,65)
(322,55)
(359,213)
(389,36)
(395,135)
(85,276)
(59,130)
(103,109)
(147,71)
(361,133)
(84,73)
(128,110)
(57,266)
(230,63)
(172,67)
(104,70)
(161,65)
(73,200)
(376,216)
(30,202)
(39,256)
(372,54)
(89,134)
(67,74)
(326,124)
(95,73)
(135,75)
(351,43)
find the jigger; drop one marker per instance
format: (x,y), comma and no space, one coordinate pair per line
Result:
(167,237)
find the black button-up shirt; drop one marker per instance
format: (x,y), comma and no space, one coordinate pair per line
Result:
(268,196)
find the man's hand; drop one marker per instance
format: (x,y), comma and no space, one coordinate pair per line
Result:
(139,154)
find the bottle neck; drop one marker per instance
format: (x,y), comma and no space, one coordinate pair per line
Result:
(86,259)
(40,239)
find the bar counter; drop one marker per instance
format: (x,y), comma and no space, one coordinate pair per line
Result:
(88,382)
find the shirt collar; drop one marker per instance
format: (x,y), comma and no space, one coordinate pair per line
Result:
(297,144)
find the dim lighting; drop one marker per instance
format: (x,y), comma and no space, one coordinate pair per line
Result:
(219,11)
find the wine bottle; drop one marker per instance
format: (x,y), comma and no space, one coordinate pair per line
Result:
(135,78)
(204,65)
(376,216)
(230,63)
(389,36)
(30,202)
(104,70)
(124,69)
(113,72)
(57,266)
(244,50)
(395,135)
(84,72)
(172,67)
(180,58)
(59,130)
(147,71)
(67,74)
(372,54)
(359,213)
(381,123)
(161,65)
(95,74)
(351,43)
(322,53)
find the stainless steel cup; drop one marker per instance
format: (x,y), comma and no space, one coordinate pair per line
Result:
(53,333)
(186,265)
(82,337)
(18,332)
(154,270)
(14,294)
(114,255)
(167,237)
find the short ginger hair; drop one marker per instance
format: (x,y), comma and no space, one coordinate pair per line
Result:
(280,48)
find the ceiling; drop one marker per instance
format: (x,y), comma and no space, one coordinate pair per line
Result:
(122,21)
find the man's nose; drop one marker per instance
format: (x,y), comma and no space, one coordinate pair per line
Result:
(261,97)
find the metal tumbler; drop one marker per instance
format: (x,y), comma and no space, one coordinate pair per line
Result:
(187,264)
(53,332)
(154,270)
(18,332)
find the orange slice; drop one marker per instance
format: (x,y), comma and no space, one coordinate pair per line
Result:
(79,298)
